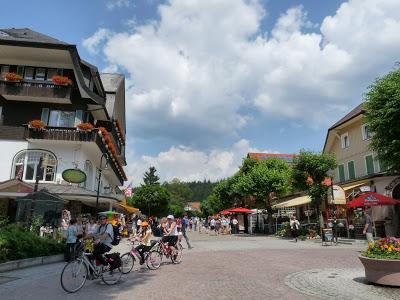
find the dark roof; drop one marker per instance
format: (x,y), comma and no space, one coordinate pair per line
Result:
(354,113)
(28,35)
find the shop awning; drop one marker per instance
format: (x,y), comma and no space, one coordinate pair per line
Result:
(353,185)
(129,209)
(294,202)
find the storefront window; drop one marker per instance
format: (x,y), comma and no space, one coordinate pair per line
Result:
(26,163)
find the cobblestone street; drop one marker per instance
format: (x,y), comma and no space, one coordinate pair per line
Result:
(221,267)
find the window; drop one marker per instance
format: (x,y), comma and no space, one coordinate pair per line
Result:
(26,163)
(60,118)
(50,74)
(89,175)
(28,73)
(4,70)
(352,170)
(341,173)
(366,133)
(369,164)
(40,73)
(20,70)
(45,115)
(345,140)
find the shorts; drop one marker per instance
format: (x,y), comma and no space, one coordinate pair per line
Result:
(172,240)
(212,227)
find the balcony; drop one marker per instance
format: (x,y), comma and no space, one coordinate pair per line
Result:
(73,135)
(32,90)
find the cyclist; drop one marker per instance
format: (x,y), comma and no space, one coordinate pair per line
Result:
(144,235)
(103,236)
(172,233)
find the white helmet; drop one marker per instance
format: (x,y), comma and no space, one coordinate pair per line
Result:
(170,217)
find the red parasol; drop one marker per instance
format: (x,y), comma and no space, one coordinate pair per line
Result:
(225,212)
(240,210)
(372,199)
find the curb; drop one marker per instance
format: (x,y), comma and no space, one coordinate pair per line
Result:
(30,262)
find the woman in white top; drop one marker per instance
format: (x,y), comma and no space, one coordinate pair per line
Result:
(294,226)
(172,233)
(91,226)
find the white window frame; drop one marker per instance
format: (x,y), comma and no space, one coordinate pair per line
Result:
(342,139)
(25,164)
(364,133)
(348,169)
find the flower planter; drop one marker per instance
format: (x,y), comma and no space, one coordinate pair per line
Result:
(381,271)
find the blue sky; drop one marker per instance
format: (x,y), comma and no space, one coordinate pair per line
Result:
(208,81)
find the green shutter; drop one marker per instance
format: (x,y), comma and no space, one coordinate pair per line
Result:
(369,161)
(352,170)
(341,173)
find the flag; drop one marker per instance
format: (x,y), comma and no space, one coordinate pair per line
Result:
(128,191)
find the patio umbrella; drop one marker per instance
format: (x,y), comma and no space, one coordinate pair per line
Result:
(240,210)
(225,212)
(372,199)
(109,213)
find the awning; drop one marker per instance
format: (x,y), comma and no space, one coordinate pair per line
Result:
(294,202)
(353,185)
(129,209)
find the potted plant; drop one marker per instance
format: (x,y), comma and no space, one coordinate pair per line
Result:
(13,77)
(36,124)
(85,127)
(382,261)
(61,80)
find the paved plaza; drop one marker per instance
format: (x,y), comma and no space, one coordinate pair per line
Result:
(221,267)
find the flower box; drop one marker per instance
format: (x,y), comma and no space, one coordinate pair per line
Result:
(61,80)
(37,124)
(85,127)
(13,77)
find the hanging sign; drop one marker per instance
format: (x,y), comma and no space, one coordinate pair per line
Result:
(74,176)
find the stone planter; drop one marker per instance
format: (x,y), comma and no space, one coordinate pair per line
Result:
(381,271)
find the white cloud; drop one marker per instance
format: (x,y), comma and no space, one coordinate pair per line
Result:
(112,4)
(203,63)
(189,164)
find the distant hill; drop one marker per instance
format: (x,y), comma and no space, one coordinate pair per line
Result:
(201,189)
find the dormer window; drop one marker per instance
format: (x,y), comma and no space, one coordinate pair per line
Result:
(345,140)
(366,132)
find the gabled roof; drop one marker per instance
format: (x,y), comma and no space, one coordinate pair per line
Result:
(111,81)
(28,35)
(354,113)
(263,156)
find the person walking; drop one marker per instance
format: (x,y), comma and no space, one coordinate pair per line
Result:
(235,223)
(212,226)
(369,226)
(72,237)
(294,226)
(183,231)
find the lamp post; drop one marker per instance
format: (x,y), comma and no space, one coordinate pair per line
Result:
(104,155)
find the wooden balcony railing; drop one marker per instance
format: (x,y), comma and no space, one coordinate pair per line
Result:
(34,89)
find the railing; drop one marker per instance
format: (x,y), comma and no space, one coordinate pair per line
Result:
(34,88)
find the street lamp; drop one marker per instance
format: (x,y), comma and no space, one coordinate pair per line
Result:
(104,155)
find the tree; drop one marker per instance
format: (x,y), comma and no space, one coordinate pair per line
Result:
(180,196)
(310,171)
(383,119)
(151,199)
(150,177)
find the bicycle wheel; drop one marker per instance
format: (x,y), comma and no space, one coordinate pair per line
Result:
(154,259)
(127,263)
(110,276)
(176,259)
(74,275)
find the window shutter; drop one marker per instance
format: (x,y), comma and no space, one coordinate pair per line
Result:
(369,161)
(78,117)
(45,115)
(352,171)
(341,173)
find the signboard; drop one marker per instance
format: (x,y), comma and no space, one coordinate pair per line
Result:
(74,176)
(339,196)
(365,188)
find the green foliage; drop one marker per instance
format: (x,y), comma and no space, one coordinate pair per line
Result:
(201,189)
(4,220)
(37,222)
(180,195)
(150,177)
(18,243)
(310,171)
(383,118)
(285,230)
(151,199)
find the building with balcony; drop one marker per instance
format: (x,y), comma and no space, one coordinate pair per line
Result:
(42,78)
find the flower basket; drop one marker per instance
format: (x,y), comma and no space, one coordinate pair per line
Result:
(13,77)
(37,124)
(381,262)
(61,80)
(85,127)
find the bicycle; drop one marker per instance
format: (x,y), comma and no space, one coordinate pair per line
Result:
(77,270)
(152,258)
(165,250)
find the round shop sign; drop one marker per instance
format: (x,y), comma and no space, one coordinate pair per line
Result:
(74,176)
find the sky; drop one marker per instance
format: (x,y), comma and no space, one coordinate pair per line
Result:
(208,81)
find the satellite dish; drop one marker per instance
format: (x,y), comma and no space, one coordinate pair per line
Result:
(74,176)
